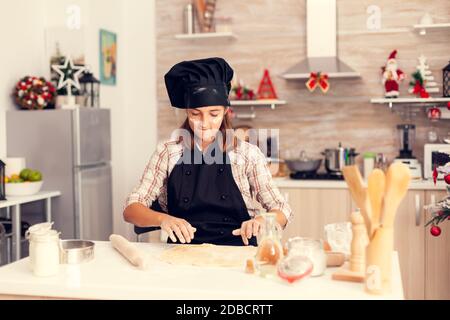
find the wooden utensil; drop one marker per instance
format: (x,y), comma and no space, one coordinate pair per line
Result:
(375,189)
(379,261)
(398,178)
(355,183)
(379,251)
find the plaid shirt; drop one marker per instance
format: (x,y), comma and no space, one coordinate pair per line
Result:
(249,168)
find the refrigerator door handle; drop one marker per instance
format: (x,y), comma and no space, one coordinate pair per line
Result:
(78,206)
(76,136)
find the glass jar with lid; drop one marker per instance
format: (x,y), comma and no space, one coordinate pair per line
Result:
(223,24)
(44,249)
(311,248)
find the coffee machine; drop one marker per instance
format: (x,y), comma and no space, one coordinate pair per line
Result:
(407,136)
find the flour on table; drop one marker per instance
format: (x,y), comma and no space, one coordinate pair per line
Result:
(208,255)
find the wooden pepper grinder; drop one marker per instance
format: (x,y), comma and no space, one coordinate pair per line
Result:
(360,240)
(355,270)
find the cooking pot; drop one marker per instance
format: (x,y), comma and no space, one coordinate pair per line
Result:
(303,164)
(336,159)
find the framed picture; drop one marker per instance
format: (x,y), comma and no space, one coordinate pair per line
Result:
(108,57)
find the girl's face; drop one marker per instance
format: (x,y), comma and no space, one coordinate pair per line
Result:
(206,121)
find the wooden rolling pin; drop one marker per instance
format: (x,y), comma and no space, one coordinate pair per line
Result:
(129,251)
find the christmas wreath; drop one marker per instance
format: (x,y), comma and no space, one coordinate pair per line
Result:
(34,93)
(441,210)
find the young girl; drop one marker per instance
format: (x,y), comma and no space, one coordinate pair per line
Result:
(203,179)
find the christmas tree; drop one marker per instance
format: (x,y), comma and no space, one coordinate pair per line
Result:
(441,210)
(424,69)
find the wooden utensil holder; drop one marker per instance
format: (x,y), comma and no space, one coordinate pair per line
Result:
(379,261)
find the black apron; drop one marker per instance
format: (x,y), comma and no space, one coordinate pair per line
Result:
(207,196)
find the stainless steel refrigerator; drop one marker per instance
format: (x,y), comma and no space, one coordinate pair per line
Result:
(72,149)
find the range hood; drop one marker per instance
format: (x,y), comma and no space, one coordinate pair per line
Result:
(321,44)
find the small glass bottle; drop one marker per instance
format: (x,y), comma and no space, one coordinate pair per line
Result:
(369,163)
(188,19)
(270,250)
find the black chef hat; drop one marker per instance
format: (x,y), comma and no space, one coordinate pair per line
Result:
(199,83)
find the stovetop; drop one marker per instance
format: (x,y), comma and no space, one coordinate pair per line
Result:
(315,176)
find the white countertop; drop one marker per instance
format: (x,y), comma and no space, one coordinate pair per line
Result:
(110,276)
(341,184)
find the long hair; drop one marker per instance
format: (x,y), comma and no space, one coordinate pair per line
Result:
(225,126)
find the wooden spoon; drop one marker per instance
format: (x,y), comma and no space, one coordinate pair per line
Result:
(398,178)
(355,183)
(376,188)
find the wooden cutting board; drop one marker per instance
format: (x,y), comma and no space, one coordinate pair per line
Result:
(208,255)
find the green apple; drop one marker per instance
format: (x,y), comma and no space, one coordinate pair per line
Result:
(25,173)
(35,176)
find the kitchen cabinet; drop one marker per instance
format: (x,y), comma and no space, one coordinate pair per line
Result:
(409,242)
(313,209)
(437,256)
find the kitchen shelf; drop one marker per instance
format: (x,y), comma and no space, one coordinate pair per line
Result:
(263,102)
(246,116)
(252,104)
(424,27)
(205,35)
(417,101)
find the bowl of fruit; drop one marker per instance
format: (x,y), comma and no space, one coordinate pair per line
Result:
(26,183)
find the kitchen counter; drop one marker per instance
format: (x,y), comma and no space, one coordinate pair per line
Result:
(110,276)
(287,182)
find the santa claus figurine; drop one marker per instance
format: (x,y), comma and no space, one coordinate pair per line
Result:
(392,76)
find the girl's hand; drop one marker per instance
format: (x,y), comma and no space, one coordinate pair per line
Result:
(179,227)
(249,228)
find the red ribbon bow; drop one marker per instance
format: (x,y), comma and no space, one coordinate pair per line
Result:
(318,79)
(420,90)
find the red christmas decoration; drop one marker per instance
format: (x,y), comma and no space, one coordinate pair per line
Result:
(242,92)
(318,79)
(435,175)
(392,76)
(34,93)
(434,113)
(447,179)
(420,90)
(266,89)
(435,231)
(448,105)
(440,210)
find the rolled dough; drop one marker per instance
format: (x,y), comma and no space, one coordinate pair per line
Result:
(208,255)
